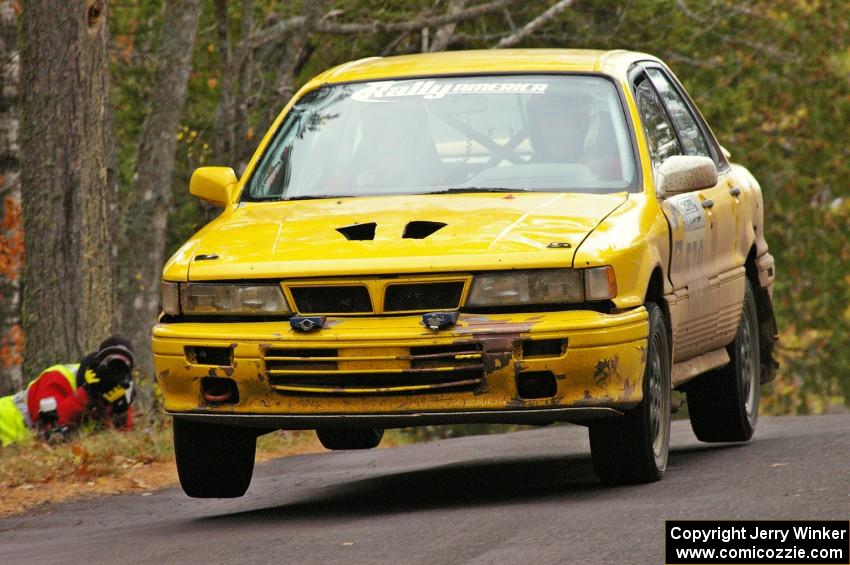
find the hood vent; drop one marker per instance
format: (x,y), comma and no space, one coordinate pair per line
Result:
(413,230)
(421,230)
(359,232)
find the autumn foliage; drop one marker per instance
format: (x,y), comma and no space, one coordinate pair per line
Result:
(771,76)
(11,266)
(11,240)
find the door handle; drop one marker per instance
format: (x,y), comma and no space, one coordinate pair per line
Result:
(735,191)
(707,203)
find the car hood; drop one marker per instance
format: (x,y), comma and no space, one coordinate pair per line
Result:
(334,237)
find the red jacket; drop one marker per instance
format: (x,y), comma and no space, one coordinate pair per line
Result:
(71,405)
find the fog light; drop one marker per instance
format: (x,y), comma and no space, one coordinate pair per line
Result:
(536,384)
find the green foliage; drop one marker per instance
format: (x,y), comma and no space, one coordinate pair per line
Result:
(771,77)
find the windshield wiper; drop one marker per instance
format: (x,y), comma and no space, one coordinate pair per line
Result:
(316,197)
(452,190)
(462,189)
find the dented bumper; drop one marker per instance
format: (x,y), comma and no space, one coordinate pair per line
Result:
(393,371)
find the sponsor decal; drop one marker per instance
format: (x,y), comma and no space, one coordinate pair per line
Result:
(432,90)
(687,220)
(690,209)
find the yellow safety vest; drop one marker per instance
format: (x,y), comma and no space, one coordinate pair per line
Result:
(15,422)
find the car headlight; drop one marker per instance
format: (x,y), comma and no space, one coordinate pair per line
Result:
(549,286)
(238,299)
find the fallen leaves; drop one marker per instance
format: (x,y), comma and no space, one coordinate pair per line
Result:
(141,461)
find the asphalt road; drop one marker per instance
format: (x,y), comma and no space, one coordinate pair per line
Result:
(525,497)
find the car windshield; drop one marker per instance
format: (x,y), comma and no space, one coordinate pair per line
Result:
(555,133)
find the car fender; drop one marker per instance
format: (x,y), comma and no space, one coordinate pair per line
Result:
(633,239)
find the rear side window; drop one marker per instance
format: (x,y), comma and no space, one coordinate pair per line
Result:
(692,138)
(660,134)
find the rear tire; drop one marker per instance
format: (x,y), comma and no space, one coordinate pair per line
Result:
(350,438)
(634,448)
(723,404)
(214,461)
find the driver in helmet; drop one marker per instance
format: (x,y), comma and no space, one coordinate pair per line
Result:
(558,126)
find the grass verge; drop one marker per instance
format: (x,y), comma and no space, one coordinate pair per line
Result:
(34,474)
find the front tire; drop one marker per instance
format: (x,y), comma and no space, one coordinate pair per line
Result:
(350,438)
(214,461)
(634,448)
(724,404)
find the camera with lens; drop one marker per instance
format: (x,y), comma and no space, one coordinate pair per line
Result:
(114,365)
(115,368)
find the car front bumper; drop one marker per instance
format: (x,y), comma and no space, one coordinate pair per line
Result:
(393,371)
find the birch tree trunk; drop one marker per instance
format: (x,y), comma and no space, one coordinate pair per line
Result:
(223,131)
(67,298)
(143,250)
(11,242)
(443,36)
(230,127)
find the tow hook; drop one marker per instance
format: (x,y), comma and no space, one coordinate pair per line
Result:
(439,320)
(307,323)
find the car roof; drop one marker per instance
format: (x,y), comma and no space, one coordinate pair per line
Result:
(615,63)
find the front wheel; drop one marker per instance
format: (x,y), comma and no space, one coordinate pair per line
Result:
(634,448)
(723,405)
(214,461)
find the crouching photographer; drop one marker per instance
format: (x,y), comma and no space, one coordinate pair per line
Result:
(97,389)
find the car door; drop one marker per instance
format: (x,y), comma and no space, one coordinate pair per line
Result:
(691,238)
(720,202)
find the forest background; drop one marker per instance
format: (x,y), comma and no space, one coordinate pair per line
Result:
(94,183)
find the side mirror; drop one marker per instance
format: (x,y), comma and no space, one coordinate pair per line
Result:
(684,173)
(216,185)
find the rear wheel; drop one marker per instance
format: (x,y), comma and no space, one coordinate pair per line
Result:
(213,461)
(724,404)
(634,448)
(350,438)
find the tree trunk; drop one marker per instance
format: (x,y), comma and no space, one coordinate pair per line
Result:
(11,230)
(230,128)
(67,297)
(241,151)
(223,140)
(143,251)
(444,34)
(297,50)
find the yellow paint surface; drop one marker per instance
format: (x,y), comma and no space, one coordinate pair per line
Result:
(296,242)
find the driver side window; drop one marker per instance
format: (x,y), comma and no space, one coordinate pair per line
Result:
(660,135)
(692,138)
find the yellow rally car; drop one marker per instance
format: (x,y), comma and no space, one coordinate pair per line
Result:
(524,236)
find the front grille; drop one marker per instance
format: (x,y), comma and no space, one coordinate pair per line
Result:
(423,296)
(389,370)
(348,383)
(376,296)
(352,299)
